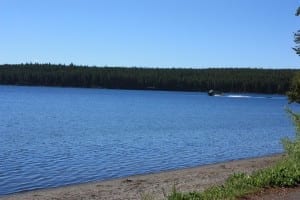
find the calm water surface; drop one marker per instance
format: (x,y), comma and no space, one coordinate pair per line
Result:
(51,137)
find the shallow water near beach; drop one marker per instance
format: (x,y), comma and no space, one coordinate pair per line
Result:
(52,137)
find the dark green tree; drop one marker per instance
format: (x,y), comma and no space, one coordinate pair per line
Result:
(294,93)
(297,36)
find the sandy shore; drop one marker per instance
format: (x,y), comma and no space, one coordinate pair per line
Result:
(151,185)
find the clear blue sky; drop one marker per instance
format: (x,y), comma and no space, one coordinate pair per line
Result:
(150,33)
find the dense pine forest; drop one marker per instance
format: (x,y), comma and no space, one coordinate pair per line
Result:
(269,81)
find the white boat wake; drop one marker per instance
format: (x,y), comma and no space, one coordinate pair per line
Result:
(237,96)
(253,97)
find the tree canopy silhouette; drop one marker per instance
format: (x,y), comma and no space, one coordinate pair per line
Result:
(294,93)
(225,80)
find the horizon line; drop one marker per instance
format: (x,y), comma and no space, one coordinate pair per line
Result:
(157,67)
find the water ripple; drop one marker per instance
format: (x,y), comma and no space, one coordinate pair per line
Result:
(60,136)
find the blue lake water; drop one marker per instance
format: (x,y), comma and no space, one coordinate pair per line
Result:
(51,137)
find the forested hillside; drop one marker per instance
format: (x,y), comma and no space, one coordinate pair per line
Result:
(225,80)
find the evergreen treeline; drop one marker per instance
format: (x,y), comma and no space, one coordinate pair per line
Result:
(225,80)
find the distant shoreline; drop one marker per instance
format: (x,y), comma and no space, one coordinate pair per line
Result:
(153,90)
(156,185)
(232,80)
